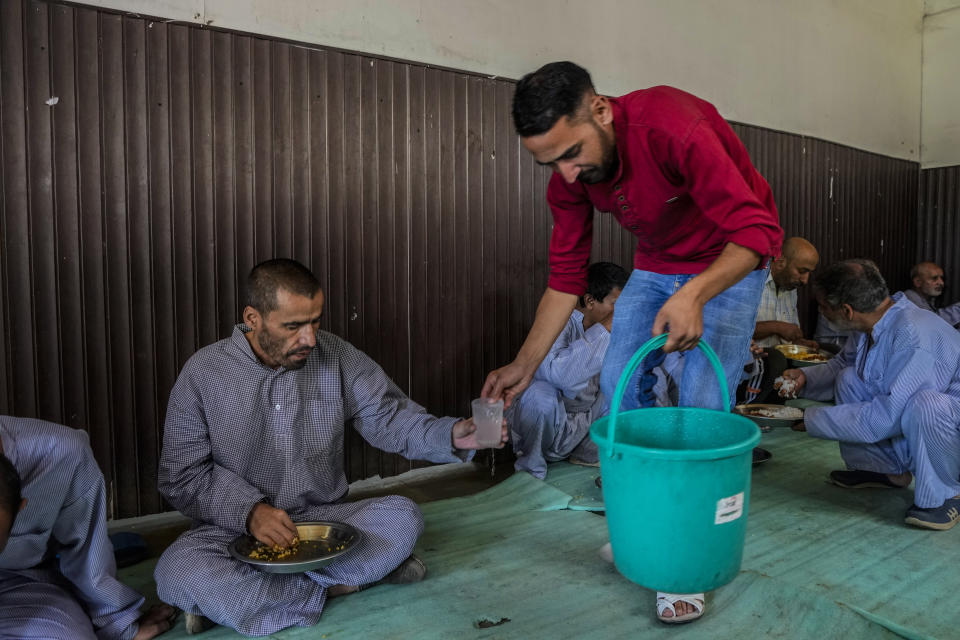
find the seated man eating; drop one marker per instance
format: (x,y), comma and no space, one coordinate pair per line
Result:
(551,419)
(58,577)
(897,392)
(253,442)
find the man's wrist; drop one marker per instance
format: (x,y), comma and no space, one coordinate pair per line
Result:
(694,292)
(527,363)
(264,500)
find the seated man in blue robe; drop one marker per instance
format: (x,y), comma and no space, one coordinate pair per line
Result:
(897,390)
(57,570)
(254,442)
(551,419)
(928,286)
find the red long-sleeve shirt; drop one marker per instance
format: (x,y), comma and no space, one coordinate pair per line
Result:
(685,187)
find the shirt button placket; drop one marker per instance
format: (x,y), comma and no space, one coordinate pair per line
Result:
(624,205)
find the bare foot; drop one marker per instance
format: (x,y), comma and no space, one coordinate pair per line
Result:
(157,619)
(683,608)
(341,590)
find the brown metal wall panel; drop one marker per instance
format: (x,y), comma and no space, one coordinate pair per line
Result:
(162,310)
(848,203)
(177,157)
(43,223)
(940,225)
(16,253)
(95,377)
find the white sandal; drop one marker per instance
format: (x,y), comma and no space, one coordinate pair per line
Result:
(667,600)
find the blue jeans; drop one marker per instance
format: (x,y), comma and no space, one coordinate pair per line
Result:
(728,324)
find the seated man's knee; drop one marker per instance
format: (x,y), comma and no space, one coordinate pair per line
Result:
(36,610)
(176,570)
(409,518)
(540,398)
(928,410)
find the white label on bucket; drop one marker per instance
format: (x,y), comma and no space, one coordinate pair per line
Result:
(729,509)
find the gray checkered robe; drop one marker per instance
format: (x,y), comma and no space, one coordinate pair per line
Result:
(58,577)
(238,432)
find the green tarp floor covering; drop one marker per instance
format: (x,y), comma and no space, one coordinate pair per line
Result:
(820,562)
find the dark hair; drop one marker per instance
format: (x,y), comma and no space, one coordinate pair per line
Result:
(856,282)
(602,278)
(551,92)
(268,277)
(9,487)
(917,268)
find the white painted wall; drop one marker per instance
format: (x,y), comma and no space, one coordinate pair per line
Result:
(843,70)
(940,132)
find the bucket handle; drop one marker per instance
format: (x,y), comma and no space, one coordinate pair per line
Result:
(655,343)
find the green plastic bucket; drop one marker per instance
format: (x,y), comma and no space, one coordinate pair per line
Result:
(676,486)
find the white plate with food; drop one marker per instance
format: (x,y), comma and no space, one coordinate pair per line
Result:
(317,544)
(770,415)
(801,356)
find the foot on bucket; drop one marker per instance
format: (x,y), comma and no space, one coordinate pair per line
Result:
(676,608)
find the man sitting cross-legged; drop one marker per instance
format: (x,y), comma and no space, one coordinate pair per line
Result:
(897,391)
(253,442)
(57,571)
(551,419)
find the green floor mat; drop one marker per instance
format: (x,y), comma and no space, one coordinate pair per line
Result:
(579,482)
(820,562)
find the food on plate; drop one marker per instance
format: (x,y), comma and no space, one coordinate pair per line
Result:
(780,413)
(275,552)
(810,357)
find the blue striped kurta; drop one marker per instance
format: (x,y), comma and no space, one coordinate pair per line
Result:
(898,400)
(950,313)
(76,595)
(554,414)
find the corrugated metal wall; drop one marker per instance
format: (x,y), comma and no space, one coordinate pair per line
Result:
(847,202)
(939,235)
(176,157)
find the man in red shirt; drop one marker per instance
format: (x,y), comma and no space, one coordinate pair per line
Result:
(672,171)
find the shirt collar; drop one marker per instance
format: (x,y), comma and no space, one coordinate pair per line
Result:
(900,302)
(578,317)
(772,285)
(241,347)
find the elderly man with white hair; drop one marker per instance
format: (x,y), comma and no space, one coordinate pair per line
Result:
(928,285)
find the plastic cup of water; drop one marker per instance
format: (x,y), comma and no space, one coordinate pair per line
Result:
(488,416)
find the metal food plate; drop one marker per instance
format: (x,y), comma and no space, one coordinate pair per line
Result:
(791,351)
(321,539)
(746,409)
